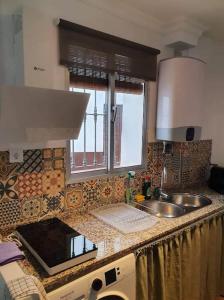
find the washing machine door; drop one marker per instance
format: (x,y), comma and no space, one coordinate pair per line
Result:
(112,298)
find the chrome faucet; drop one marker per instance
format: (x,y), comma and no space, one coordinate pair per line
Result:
(167,151)
(180,169)
(163,195)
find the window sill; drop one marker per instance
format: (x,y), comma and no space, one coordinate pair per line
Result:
(77,178)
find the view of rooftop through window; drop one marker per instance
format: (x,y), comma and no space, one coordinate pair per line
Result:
(90,151)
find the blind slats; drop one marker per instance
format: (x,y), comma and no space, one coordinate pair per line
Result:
(90,79)
(82,47)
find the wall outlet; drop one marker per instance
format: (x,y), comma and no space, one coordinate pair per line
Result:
(15,155)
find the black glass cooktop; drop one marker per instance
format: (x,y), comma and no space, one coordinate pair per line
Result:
(55,242)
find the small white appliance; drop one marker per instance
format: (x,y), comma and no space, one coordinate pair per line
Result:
(180,99)
(115,281)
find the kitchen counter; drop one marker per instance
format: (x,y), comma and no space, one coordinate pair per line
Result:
(113,244)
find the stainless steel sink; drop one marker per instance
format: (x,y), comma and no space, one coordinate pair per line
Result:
(161,209)
(175,205)
(187,200)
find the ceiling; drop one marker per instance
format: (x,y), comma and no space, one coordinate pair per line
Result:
(209,12)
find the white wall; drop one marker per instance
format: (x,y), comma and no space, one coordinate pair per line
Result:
(100,15)
(213,124)
(215,103)
(40,44)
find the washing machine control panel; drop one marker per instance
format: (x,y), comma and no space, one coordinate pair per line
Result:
(110,276)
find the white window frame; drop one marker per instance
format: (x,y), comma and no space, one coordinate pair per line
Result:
(110,170)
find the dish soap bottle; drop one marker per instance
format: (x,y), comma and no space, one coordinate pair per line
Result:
(146,188)
(129,195)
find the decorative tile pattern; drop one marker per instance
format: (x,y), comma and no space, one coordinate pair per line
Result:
(47,165)
(47,153)
(10,212)
(32,162)
(6,168)
(7,188)
(138,181)
(39,193)
(53,159)
(107,191)
(53,182)
(53,204)
(31,208)
(29,185)
(91,196)
(74,198)
(58,152)
(92,190)
(58,164)
(91,184)
(119,189)
(195,163)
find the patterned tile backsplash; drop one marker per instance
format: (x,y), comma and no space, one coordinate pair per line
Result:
(36,188)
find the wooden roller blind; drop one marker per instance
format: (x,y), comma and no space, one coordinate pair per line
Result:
(87,49)
(90,79)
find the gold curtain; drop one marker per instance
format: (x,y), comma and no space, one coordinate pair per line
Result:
(187,266)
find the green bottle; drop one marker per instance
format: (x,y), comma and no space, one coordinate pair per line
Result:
(129,194)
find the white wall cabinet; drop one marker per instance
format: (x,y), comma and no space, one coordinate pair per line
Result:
(32,49)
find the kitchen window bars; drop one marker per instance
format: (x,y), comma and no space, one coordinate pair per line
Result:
(89,152)
(113,135)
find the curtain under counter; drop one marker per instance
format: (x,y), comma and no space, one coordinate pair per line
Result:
(188,265)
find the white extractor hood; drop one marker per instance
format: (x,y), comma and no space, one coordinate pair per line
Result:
(32,117)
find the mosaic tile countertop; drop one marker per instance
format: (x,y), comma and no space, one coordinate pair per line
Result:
(112,244)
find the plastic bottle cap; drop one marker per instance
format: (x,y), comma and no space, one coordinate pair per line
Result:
(139,198)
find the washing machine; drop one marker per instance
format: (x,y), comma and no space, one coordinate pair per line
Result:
(115,281)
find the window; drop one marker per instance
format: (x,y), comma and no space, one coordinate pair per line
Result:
(89,151)
(112,136)
(129,133)
(115,72)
